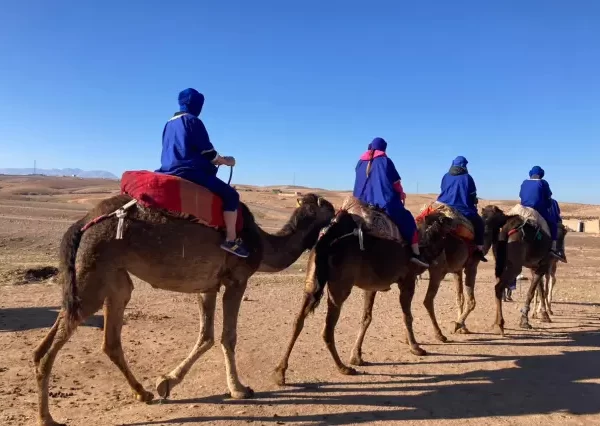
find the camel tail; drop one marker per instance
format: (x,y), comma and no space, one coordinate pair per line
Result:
(323,251)
(68,255)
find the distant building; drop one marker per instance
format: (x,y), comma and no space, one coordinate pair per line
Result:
(588,225)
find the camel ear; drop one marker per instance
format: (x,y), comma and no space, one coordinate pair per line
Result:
(320,201)
(298,202)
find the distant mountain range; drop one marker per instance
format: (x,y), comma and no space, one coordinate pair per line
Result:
(99,174)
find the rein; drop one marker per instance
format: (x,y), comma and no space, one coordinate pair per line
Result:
(230,174)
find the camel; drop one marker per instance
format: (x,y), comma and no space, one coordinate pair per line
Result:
(170,253)
(516,243)
(344,257)
(455,258)
(550,278)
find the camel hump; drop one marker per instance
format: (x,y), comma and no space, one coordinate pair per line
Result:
(461,226)
(530,215)
(177,196)
(374,222)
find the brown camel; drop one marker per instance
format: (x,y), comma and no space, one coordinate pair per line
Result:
(455,258)
(340,262)
(171,253)
(517,243)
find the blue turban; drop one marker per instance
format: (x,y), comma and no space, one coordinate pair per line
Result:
(378,144)
(460,161)
(191,101)
(536,170)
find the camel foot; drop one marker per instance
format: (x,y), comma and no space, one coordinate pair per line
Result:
(145,396)
(545,317)
(357,360)
(498,329)
(534,315)
(462,330)
(347,371)
(441,338)
(550,312)
(417,350)
(279,376)
(525,323)
(164,386)
(50,422)
(245,393)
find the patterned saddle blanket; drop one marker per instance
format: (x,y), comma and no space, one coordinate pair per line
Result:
(175,195)
(530,215)
(461,226)
(374,222)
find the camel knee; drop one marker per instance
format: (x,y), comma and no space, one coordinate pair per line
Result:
(366,321)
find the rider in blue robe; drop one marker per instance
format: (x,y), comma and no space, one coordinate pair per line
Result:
(188,153)
(459,192)
(536,194)
(378,185)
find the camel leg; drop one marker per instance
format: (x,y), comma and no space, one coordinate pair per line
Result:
(470,278)
(550,292)
(460,297)
(536,284)
(435,278)
(498,325)
(43,359)
(114,309)
(369,300)
(232,298)
(334,304)
(537,305)
(206,340)
(407,291)
(279,373)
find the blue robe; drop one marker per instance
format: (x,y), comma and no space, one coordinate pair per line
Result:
(555,211)
(188,153)
(458,191)
(536,194)
(378,190)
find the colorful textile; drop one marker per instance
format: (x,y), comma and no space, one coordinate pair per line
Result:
(461,225)
(176,195)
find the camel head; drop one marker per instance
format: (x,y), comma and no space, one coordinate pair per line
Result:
(312,214)
(494,219)
(432,233)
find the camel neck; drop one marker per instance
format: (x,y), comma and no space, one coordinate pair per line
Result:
(282,249)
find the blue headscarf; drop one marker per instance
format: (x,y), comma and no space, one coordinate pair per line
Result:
(378,144)
(536,170)
(191,101)
(460,161)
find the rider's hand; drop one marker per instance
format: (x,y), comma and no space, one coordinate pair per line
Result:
(229,161)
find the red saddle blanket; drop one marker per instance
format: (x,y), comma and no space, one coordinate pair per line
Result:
(177,195)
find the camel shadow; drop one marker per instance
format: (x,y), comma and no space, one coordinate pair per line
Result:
(534,385)
(31,318)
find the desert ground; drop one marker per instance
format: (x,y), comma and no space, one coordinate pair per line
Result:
(546,376)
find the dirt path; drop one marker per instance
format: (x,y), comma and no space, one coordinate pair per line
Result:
(547,376)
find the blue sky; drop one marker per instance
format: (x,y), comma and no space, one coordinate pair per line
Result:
(300,88)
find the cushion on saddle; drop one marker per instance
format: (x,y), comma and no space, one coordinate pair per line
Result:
(461,226)
(374,222)
(530,215)
(176,195)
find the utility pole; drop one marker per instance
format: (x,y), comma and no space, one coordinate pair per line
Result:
(34,167)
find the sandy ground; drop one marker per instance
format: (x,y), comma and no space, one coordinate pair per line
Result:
(549,375)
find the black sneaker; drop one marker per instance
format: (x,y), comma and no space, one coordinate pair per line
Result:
(478,254)
(235,247)
(559,255)
(417,259)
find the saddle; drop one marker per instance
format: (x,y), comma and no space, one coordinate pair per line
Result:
(371,219)
(531,216)
(461,226)
(176,197)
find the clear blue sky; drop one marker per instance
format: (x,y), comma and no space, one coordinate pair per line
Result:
(302,87)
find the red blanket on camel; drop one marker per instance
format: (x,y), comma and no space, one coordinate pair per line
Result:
(177,195)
